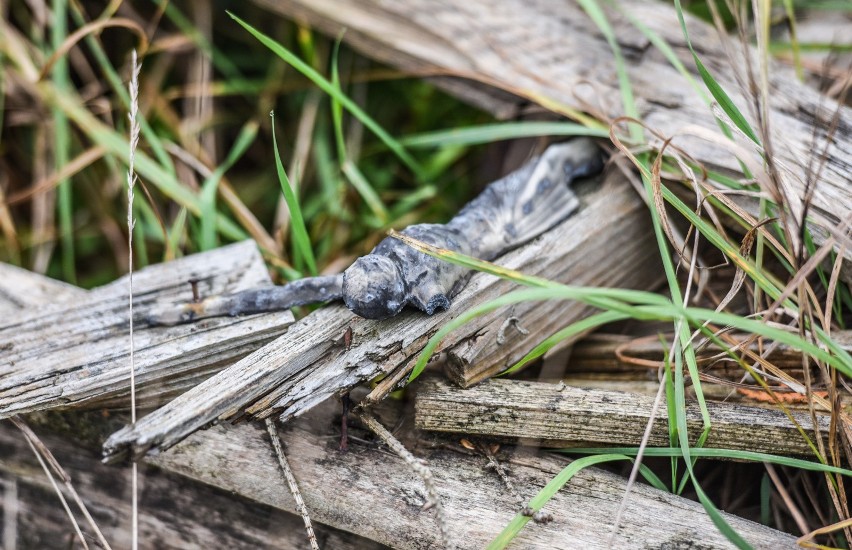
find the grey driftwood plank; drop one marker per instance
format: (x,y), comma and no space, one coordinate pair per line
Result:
(311,362)
(22,289)
(563,416)
(550,52)
(371,492)
(76,353)
(175,512)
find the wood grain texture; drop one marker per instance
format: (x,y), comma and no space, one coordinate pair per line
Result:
(76,353)
(22,289)
(174,512)
(563,416)
(372,492)
(550,52)
(310,363)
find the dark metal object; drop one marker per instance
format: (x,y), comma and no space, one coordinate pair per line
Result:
(508,213)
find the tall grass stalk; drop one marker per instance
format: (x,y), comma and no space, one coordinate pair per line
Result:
(131,184)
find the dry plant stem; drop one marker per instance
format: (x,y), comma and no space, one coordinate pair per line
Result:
(800,520)
(418,466)
(291,482)
(131,180)
(42,453)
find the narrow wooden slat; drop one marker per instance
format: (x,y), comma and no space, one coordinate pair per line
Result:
(563,416)
(76,353)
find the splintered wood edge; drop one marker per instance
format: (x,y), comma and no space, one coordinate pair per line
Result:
(563,416)
(164,355)
(311,362)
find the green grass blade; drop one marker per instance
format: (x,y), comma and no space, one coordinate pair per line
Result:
(301,241)
(718,93)
(210,187)
(489,133)
(62,144)
(514,527)
(579,327)
(596,14)
(326,86)
(554,486)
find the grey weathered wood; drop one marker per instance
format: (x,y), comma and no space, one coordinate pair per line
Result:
(76,353)
(550,52)
(563,416)
(372,492)
(22,289)
(311,363)
(174,512)
(179,513)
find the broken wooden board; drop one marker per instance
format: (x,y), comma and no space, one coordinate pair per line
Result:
(312,362)
(552,54)
(174,512)
(76,353)
(382,499)
(564,416)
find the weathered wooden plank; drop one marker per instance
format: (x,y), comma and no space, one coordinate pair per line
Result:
(550,52)
(376,495)
(22,289)
(563,416)
(311,362)
(174,511)
(73,354)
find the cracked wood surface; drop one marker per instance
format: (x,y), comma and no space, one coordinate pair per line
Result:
(311,363)
(175,512)
(565,416)
(549,52)
(372,492)
(75,352)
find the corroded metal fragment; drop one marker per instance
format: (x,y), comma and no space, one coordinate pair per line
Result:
(508,213)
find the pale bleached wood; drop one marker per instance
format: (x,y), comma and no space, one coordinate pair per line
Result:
(311,362)
(76,353)
(562,416)
(550,52)
(372,492)
(174,512)
(21,289)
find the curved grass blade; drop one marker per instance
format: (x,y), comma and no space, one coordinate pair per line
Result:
(301,241)
(537,502)
(489,133)
(718,93)
(723,454)
(210,187)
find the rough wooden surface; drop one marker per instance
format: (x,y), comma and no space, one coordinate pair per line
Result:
(372,492)
(22,289)
(174,512)
(76,353)
(237,462)
(311,362)
(562,416)
(550,52)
